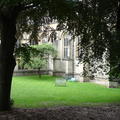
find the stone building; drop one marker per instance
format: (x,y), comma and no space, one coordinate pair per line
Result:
(67,63)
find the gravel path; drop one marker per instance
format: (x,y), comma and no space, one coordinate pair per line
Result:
(64,113)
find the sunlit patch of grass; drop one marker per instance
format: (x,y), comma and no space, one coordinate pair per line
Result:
(32,91)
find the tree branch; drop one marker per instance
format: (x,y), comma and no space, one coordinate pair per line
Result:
(30,5)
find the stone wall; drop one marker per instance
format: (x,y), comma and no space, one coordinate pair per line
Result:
(30,72)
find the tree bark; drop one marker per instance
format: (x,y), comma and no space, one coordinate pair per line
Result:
(7,61)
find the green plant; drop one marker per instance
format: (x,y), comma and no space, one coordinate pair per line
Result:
(115,73)
(34,56)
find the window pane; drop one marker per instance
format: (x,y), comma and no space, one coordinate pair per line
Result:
(66,42)
(65,52)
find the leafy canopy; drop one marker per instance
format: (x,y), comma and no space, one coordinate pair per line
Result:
(93,20)
(34,56)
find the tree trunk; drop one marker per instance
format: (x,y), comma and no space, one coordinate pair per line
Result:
(7,61)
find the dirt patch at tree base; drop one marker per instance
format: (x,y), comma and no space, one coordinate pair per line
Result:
(64,113)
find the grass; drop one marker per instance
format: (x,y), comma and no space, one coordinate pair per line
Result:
(32,91)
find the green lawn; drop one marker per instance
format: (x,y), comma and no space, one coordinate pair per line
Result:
(32,91)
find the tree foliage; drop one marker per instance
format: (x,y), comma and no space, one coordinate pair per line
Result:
(97,22)
(34,56)
(93,20)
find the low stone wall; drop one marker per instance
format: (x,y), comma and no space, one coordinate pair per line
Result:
(29,72)
(35,72)
(113,84)
(97,80)
(102,82)
(59,73)
(46,72)
(105,82)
